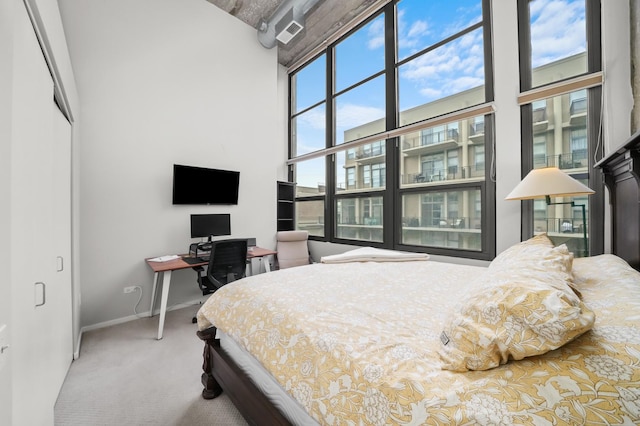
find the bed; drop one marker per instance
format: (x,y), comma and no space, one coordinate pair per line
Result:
(400,342)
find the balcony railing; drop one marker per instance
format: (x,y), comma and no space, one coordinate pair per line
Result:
(369,153)
(342,186)
(432,138)
(570,160)
(439,175)
(441,222)
(562,225)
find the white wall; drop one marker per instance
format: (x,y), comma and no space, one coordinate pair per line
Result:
(616,66)
(7,10)
(163,82)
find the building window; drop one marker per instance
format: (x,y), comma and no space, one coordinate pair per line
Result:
(359,219)
(308,108)
(310,196)
(448,219)
(557,32)
(434,70)
(560,42)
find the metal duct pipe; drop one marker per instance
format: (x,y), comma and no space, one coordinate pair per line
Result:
(267,28)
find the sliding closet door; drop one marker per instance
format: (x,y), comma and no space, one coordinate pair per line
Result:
(61,293)
(41,295)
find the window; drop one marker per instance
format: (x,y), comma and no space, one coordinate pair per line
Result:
(310,196)
(359,219)
(540,150)
(446,77)
(359,96)
(430,164)
(560,42)
(308,107)
(443,219)
(557,32)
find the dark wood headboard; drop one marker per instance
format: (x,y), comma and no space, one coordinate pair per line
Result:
(621,171)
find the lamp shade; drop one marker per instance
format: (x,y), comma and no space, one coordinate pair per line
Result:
(548,181)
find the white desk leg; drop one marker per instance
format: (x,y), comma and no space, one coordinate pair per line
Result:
(156,277)
(166,281)
(267,265)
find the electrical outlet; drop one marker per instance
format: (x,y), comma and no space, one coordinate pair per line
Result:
(130,289)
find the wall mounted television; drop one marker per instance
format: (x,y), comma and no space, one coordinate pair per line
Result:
(199,185)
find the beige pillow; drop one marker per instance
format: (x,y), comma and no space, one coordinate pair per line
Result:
(523,307)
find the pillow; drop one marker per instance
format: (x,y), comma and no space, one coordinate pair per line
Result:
(524,253)
(523,307)
(537,253)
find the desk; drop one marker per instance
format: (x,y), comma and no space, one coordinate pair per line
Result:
(162,271)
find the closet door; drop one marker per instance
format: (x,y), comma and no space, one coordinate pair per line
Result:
(41,301)
(60,314)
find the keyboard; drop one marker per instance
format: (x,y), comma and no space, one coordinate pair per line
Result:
(194,260)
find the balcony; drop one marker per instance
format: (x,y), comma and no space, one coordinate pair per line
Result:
(476,132)
(370,156)
(432,142)
(569,231)
(578,112)
(452,173)
(441,223)
(540,121)
(565,161)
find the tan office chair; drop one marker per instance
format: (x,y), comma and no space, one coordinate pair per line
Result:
(292,249)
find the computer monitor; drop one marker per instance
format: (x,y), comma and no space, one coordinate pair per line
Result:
(208,225)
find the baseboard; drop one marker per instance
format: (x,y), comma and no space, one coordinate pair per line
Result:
(122,320)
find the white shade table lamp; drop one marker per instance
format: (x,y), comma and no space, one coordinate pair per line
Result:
(552,182)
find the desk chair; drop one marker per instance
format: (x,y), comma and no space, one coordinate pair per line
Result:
(227,263)
(292,249)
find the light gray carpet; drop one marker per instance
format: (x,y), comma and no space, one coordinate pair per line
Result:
(124,376)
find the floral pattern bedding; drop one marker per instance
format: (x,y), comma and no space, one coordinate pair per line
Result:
(358,344)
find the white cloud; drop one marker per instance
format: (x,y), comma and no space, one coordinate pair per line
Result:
(557,30)
(350,115)
(431,93)
(418,29)
(450,69)
(314,119)
(376,34)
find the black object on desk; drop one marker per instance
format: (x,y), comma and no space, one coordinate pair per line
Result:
(191,260)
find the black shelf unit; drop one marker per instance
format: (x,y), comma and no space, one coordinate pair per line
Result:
(286,210)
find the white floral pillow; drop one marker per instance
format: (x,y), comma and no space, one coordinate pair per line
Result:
(524,307)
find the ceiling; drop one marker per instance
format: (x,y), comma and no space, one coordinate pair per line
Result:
(322,20)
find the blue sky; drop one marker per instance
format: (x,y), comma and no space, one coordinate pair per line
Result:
(557,28)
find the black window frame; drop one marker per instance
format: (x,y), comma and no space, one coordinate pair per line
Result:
(392,193)
(594,107)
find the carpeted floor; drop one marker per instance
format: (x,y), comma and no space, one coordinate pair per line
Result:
(124,376)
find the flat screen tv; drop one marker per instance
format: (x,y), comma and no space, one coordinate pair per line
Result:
(199,185)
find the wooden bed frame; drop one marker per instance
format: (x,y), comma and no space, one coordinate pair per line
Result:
(621,171)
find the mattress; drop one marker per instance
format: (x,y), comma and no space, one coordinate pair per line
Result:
(265,382)
(359,343)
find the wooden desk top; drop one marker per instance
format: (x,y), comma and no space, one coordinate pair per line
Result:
(179,263)
(259,252)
